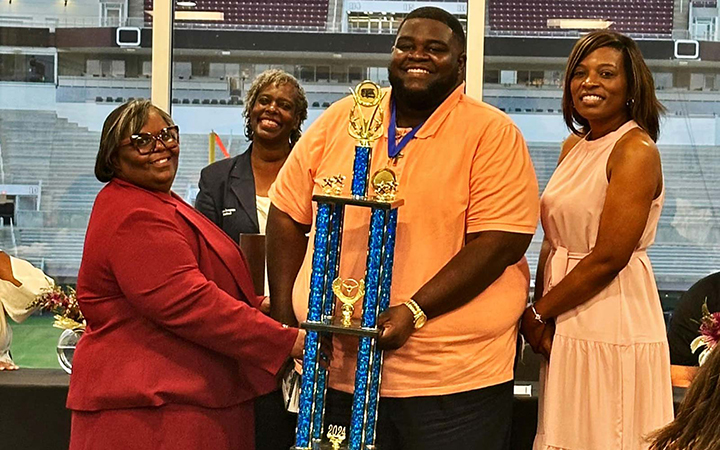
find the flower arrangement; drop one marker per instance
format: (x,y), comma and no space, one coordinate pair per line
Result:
(64,305)
(709,333)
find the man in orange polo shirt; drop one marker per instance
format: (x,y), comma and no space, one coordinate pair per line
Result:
(471,208)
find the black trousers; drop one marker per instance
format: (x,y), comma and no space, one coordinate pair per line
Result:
(274,426)
(473,420)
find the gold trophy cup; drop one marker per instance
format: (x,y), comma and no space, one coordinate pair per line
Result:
(367,96)
(348,292)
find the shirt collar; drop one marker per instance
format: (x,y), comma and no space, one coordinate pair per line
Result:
(432,124)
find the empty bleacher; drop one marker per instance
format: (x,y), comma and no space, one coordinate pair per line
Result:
(628,16)
(39,147)
(687,245)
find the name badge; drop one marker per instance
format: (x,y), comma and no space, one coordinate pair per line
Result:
(228,212)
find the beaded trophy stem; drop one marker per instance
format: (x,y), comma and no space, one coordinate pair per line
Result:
(328,286)
(385,285)
(311,355)
(369,319)
(361,171)
(328,306)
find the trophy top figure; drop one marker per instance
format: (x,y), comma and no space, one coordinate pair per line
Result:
(367,95)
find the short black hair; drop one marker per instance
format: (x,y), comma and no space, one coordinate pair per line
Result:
(433,13)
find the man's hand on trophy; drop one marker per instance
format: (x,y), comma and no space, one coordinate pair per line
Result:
(397,325)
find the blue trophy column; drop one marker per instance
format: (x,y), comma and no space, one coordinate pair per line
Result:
(385,284)
(361,169)
(312,339)
(328,309)
(358,419)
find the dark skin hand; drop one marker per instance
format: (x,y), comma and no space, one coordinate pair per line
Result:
(535,333)
(286,244)
(481,261)
(634,181)
(539,336)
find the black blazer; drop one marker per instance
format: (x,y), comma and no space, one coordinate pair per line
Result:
(227,195)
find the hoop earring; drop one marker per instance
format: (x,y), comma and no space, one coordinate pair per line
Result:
(630,103)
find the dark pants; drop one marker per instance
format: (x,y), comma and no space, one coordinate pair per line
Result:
(474,420)
(274,426)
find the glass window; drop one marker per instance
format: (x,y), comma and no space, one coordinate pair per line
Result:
(305,73)
(54,102)
(687,246)
(322,73)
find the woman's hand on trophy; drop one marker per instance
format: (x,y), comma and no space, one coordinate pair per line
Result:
(326,348)
(397,325)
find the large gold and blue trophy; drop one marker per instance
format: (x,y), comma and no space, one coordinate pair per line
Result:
(365,125)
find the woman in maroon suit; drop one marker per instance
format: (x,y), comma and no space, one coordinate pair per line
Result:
(175,348)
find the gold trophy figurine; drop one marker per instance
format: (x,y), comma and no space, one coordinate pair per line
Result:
(348,292)
(336,436)
(333,185)
(385,185)
(367,95)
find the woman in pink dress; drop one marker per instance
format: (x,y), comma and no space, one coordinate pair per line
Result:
(606,382)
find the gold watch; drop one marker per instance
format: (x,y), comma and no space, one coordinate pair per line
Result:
(419,317)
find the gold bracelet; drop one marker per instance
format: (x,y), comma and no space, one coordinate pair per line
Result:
(419,316)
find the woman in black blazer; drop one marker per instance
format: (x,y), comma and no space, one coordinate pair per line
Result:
(233,194)
(233,191)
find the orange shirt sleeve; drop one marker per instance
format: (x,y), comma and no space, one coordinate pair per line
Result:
(293,188)
(503,187)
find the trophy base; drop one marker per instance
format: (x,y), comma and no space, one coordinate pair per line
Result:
(334,325)
(329,446)
(358,201)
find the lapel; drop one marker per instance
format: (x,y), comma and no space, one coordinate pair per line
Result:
(226,248)
(242,184)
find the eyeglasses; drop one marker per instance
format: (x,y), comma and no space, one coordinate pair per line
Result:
(144,143)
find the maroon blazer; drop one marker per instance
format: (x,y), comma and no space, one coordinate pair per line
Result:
(170,310)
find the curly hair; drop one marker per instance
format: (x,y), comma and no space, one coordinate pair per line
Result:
(126,119)
(697,424)
(278,78)
(643,106)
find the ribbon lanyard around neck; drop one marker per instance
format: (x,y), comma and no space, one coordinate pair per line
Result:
(394,147)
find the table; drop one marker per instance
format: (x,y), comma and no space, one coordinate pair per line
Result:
(33,414)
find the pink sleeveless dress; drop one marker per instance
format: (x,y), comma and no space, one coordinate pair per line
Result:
(607,384)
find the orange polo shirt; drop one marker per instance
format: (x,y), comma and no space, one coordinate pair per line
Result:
(467,170)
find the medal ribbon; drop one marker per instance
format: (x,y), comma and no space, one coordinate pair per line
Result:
(394,147)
